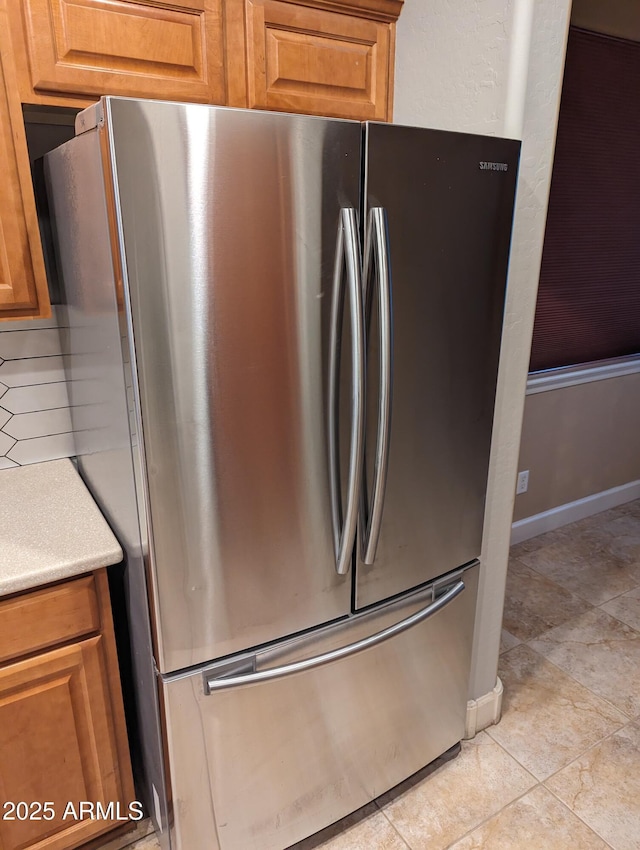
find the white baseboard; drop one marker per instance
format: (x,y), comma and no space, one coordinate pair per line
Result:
(484,711)
(531,526)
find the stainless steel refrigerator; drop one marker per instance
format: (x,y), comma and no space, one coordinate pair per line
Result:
(283,339)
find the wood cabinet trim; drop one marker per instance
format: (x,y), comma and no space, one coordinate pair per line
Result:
(375,10)
(235,46)
(23,283)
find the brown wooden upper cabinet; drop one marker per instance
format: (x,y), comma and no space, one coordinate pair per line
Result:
(333,60)
(23,284)
(323,57)
(94,47)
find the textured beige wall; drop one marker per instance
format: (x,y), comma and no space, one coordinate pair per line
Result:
(579,441)
(493,66)
(613,17)
(584,439)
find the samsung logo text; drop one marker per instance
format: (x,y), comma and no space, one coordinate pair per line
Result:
(494,166)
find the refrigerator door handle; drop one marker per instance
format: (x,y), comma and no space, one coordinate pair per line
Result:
(253,677)
(347,256)
(377,240)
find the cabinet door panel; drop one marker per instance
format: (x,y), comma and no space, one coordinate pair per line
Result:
(23,284)
(308,60)
(57,744)
(119,47)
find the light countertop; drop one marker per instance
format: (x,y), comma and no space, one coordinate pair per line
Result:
(50,527)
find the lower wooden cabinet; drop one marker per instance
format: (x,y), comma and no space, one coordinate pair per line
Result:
(62,733)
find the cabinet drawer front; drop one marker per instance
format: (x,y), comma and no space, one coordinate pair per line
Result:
(57,744)
(309,60)
(98,47)
(42,618)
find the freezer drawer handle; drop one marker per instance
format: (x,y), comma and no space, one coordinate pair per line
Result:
(378,241)
(252,677)
(347,255)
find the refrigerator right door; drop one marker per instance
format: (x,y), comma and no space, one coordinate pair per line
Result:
(438,209)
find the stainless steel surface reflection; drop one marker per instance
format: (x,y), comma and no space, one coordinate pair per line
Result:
(233,392)
(448,234)
(376,254)
(348,259)
(229,221)
(228,677)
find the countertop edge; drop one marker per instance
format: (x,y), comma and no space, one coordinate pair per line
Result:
(51,529)
(41,577)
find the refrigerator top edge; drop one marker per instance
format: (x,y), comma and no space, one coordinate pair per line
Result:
(93,116)
(444,131)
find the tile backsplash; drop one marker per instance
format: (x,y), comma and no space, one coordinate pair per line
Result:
(35,421)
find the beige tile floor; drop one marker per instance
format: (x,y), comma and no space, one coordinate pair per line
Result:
(561,771)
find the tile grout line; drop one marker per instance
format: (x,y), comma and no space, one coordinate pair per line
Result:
(591,747)
(615,616)
(555,584)
(495,814)
(624,593)
(542,782)
(28,412)
(393,827)
(586,687)
(29,356)
(489,817)
(575,617)
(623,724)
(39,384)
(575,814)
(582,752)
(627,722)
(599,696)
(39,436)
(517,760)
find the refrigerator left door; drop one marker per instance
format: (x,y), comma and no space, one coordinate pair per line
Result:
(230,222)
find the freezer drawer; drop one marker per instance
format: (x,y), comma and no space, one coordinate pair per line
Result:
(260,766)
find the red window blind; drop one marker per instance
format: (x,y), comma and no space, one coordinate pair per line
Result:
(589,296)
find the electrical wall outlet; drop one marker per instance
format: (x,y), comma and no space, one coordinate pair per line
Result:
(523,482)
